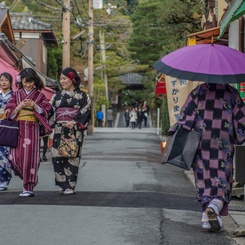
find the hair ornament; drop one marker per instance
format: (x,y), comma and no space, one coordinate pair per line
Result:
(71,76)
(18,78)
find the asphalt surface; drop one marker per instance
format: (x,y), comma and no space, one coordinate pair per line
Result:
(124,196)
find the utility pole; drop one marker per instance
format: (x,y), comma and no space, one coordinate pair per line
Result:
(103,58)
(90,64)
(66,35)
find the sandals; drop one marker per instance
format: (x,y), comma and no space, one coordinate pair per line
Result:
(26,194)
(4,186)
(69,192)
(206,226)
(66,191)
(214,219)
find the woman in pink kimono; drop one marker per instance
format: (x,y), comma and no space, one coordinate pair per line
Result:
(28,106)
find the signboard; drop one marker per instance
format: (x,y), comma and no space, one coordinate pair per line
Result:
(177,92)
(97,4)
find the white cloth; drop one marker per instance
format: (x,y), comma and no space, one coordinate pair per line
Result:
(133,116)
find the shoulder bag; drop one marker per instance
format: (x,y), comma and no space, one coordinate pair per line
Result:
(9,131)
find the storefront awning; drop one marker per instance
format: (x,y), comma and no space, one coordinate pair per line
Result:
(204,37)
(236,10)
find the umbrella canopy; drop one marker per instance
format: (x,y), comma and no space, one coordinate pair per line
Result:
(210,63)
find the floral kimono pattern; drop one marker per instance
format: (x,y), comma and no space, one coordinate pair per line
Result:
(218,112)
(75,106)
(5,165)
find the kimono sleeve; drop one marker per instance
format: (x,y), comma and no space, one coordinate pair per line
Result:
(187,113)
(239,120)
(44,105)
(11,105)
(51,113)
(84,114)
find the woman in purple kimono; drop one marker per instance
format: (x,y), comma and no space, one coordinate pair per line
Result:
(218,112)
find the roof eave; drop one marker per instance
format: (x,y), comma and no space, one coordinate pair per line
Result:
(226,19)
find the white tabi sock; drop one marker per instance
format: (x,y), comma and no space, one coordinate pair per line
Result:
(4,184)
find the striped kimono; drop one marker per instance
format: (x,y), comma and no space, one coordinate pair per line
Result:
(25,157)
(5,166)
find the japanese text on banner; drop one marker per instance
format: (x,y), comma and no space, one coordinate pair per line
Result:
(177,92)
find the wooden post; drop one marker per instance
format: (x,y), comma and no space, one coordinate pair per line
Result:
(90,64)
(66,35)
(103,59)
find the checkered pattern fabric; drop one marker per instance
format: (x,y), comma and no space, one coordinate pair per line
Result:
(218,112)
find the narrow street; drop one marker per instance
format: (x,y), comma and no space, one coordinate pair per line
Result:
(124,196)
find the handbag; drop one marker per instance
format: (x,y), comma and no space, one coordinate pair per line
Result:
(68,146)
(181,148)
(9,131)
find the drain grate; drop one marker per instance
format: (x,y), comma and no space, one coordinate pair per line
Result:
(236,208)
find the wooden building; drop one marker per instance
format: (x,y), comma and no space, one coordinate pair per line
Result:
(35,37)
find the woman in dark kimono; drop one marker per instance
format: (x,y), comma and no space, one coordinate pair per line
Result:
(218,112)
(70,116)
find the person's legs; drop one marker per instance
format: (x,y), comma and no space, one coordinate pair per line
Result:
(145,122)
(212,211)
(211,220)
(100,122)
(45,147)
(127,123)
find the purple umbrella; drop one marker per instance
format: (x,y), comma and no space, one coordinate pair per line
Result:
(210,63)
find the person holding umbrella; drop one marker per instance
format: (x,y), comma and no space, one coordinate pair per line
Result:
(217,111)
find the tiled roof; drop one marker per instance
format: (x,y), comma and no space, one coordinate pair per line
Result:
(26,21)
(3,13)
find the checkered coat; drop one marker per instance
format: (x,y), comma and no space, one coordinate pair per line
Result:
(218,112)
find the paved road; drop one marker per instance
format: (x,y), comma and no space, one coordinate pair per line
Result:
(124,197)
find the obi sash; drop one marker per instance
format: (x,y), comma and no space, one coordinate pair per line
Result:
(66,114)
(2,114)
(27,114)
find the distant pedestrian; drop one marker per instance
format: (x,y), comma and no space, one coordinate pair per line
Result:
(109,116)
(145,117)
(133,118)
(139,118)
(126,118)
(135,104)
(5,166)
(136,111)
(99,116)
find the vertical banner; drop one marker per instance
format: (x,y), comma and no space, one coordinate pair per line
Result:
(177,92)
